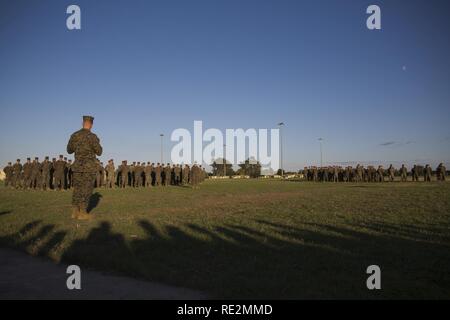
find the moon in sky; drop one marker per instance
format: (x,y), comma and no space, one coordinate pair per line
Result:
(404,68)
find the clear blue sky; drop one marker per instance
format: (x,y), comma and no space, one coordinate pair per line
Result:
(146,67)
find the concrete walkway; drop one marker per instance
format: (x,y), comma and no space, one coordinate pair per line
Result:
(26,277)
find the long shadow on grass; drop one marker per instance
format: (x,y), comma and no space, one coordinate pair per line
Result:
(269,260)
(35,238)
(94,200)
(264,259)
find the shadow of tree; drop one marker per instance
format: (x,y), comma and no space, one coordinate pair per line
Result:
(265,259)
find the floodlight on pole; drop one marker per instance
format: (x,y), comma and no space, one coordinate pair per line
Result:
(280,125)
(161,135)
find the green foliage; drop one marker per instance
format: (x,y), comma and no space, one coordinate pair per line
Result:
(250,168)
(219,170)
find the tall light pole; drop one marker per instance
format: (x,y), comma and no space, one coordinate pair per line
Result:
(321,162)
(280,125)
(161,135)
(224,161)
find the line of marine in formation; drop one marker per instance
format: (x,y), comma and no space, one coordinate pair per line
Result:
(373,174)
(58,175)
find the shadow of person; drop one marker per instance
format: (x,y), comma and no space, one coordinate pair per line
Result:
(5,213)
(94,201)
(102,249)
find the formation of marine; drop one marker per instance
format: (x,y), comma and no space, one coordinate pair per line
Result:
(373,174)
(57,174)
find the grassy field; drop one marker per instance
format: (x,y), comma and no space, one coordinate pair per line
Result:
(250,239)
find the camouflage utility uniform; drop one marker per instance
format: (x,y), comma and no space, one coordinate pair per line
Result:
(86,147)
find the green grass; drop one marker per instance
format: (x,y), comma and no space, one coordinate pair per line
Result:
(250,238)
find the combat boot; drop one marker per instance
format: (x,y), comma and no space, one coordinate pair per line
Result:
(83,215)
(75,212)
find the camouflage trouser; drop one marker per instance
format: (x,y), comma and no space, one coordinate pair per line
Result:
(45,182)
(16,182)
(167,179)
(36,181)
(148,180)
(110,181)
(124,180)
(27,182)
(83,186)
(138,181)
(59,181)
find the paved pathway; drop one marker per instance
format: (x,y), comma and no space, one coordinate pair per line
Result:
(26,277)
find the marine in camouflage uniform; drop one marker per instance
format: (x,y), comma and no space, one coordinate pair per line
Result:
(193,178)
(335,174)
(148,174)
(86,146)
(46,167)
(123,170)
(177,173)
(110,174)
(8,170)
(66,173)
(415,173)
(325,172)
(158,172)
(305,173)
(391,173)
(131,173)
(27,168)
(359,173)
(347,174)
(315,174)
(36,174)
(196,174)
(403,173)
(17,174)
(185,175)
(138,175)
(427,173)
(441,172)
(52,173)
(58,174)
(380,173)
(167,174)
(69,174)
